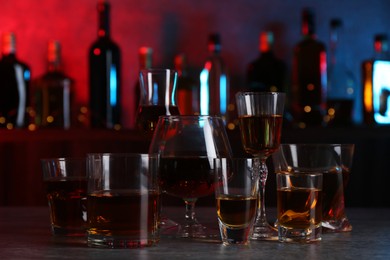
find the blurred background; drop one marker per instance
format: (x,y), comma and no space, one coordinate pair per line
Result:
(171,27)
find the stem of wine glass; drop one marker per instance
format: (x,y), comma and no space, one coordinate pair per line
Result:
(263,179)
(261,229)
(190,212)
(191,228)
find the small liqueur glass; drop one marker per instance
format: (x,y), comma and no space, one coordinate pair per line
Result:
(236,198)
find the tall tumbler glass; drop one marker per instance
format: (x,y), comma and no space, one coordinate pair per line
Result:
(157,98)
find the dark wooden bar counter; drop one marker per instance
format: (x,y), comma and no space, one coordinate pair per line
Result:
(21,151)
(25,234)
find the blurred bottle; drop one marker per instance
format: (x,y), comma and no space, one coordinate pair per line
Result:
(341,81)
(15,86)
(214,82)
(145,61)
(309,84)
(53,92)
(267,72)
(104,75)
(376,83)
(187,89)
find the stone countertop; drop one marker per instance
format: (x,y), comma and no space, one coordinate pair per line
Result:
(25,234)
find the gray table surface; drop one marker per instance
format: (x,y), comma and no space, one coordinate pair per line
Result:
(25,234)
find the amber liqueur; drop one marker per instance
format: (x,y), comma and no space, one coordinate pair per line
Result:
(299,207)
(261,134)
(236,211)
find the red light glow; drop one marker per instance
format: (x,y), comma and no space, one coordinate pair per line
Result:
(96,51)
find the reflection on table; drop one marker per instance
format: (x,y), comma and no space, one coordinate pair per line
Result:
(25,234)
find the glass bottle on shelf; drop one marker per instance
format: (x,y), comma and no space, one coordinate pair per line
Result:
(53,92)
(267,72)
(214,82)
(104,75)
(15,86)
(187,88)
(341,81)
(309,81)
(376,83)
(145,61)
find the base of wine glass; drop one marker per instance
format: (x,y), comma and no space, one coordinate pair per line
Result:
(342,225)
(196,231)
(264,231)
(168,227)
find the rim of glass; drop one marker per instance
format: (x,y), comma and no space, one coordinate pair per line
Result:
(157,70)
(189,117)
(257,93)
(316,144)
(119,154)
(303,173)
(236,158)
(62,159)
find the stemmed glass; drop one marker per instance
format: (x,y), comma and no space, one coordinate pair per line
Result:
(187,146)
(260,119)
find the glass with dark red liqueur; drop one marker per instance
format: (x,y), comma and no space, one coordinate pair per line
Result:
(66,191)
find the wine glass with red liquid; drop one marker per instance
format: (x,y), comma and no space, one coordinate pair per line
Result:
(260,119)
(187,146)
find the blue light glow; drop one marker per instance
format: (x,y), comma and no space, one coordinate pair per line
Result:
(113,86)
(381,84)
(155,94)
(27,75)
(173,101)
(223,94)
(204,92)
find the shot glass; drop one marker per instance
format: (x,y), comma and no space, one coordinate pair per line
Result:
(66,191)
(236,198)
(299,207)
(123,200)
